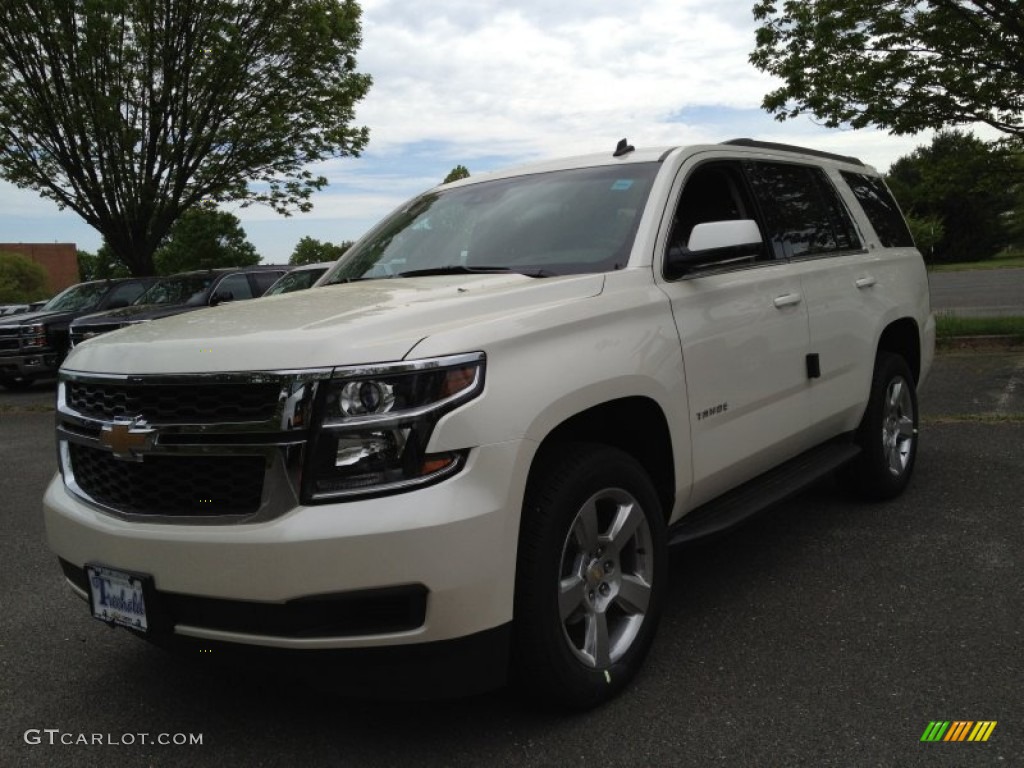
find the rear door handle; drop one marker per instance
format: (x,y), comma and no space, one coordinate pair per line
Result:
(787,300)
(865,282)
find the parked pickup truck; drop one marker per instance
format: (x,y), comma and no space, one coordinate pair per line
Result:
(463,458)
(33,344)
(180,293)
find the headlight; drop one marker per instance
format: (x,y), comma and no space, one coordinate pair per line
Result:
(33,336)
(374,424)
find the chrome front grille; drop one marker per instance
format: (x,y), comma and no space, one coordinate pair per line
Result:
(10,339)
(174,404)
(196,448)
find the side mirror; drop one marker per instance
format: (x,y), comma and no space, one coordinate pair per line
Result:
(715,242)
(220,297)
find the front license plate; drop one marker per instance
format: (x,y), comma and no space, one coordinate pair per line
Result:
(117,597)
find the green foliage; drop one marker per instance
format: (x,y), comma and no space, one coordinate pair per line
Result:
(100,265)
(964,183)
(21,279)
(205,238)
(902,65)
(1005,260)
(456,173)
(927,232)
(310,251)
(949,325)
(131,113)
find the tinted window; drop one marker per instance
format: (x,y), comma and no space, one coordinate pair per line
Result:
(265,279)
(712,193)
(237,285)
(299,280)
(881,210)
(178,289)
(803,213)
(126,293)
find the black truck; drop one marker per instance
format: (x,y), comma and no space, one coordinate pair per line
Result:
(33,344)
(183,292)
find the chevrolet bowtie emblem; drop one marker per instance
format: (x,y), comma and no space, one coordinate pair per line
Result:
(127,439)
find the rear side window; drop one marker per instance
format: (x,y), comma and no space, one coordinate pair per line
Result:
(881,209)
(264,280)
(126,293)
(236,285)
(802,210)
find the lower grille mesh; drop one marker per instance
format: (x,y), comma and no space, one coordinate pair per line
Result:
(195,486)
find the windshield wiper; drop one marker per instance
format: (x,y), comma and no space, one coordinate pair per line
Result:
(458,269)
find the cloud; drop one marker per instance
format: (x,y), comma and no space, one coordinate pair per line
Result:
(533,79)
(490,84)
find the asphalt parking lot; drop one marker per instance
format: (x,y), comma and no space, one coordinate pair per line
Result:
(825,633)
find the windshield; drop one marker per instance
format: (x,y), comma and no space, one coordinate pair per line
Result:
(178,289)
(558,223)
(77,298)
(298,280)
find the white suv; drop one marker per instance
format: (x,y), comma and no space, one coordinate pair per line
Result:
(466,452)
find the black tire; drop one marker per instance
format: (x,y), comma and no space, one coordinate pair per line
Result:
(887,433)
(16,385)
(573,579)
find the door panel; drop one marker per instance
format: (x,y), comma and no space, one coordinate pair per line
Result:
(744,352)
(843,309)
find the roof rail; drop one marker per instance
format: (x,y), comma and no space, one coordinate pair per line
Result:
(753,143)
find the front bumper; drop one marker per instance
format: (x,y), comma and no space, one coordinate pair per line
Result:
(455,540)
(31,366)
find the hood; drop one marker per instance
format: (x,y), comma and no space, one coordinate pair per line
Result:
(27,318)
(354,323)
(136,313)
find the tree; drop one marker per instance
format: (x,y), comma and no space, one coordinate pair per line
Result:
(310,251)
(21,279)
(901,65)
(131,112)
(927,232)
(100,265)
(205,238)
(456,173)
(964,184)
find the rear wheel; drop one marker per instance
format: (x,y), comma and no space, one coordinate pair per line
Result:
(888,432)
(590,576)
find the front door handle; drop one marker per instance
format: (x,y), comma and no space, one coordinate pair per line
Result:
(787,300)
(865,282)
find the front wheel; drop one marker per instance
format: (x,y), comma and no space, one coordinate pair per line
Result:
(591,570)
(888,432)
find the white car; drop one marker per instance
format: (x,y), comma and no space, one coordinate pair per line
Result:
(465,455)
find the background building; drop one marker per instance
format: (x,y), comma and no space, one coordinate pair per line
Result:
(60,260)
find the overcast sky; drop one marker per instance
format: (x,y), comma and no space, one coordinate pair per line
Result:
(489,84)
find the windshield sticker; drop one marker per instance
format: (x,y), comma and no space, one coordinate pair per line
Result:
(622,185)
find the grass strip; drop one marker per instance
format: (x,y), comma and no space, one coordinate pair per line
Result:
(1004,262)
(948,325)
